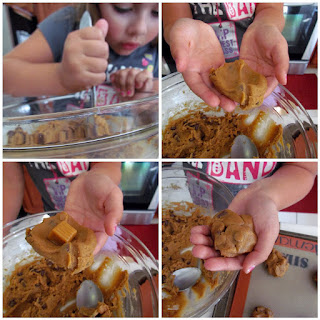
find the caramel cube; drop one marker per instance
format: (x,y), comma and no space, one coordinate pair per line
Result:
(62,233)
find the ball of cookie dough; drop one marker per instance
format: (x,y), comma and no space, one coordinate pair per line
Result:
(277,264)
(262,312)
(233,234)
(237,81)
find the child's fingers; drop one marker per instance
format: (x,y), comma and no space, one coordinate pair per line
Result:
(96,49)
(221,264)
(200,239)
(205,230)
(95,65)
(113,211)
(204,252)
(280,59)
(197,85)
(261,250)
(103,26)
(144,80)
(101,240)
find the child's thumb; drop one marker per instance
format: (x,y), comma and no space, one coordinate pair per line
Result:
(103,25)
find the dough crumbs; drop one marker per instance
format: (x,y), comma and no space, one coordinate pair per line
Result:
(201,135)
(277,264)
(40,288)
(233,234)
(262,312)
(237,81)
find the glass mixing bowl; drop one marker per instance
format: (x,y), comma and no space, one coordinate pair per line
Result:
(299,131)
(124,248)
(66,127)
(188,185)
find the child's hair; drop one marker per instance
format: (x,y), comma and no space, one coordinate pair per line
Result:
(95,14)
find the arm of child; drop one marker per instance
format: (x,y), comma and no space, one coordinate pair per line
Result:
(13,188)
(262,200)
(196,49)
(95,200)
(29,69)
(263,46)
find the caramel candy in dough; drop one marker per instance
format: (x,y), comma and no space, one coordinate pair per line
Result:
(233,234)
(75,255)
(237,81)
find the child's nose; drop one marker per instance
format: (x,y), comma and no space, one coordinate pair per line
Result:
(138,27)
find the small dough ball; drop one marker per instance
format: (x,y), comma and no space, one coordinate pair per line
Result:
(277,264)
(233,234)
(237,81)
(262,312)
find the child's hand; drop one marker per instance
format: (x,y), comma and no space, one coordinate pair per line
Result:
(84,60)
(196,49)
(265,218)
(266,51)
(130,81)
(96,202)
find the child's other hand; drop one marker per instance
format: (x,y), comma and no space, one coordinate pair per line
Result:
(130,81)
(196,49)
(266,51)
(265,218)
(84,60)
(96,202)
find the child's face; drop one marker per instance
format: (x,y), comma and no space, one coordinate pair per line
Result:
(131,25)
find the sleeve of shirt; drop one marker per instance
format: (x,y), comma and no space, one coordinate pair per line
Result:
(56,28)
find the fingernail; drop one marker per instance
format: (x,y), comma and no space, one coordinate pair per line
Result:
(123,94)
(115,227)
(250,269)
(129,92)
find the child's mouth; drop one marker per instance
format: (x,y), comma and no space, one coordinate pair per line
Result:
(130,45)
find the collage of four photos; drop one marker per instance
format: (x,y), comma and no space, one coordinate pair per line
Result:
(160,160)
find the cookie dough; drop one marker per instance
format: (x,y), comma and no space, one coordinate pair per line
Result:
(40,289)
(277,264)
(69,131)
(237,81)
(262,312)
(233,234)
(200,135)
(177,221)
(75,255)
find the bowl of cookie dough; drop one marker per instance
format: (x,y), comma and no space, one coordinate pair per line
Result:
(280,127)
(70,127)
(189,198)
(125,271)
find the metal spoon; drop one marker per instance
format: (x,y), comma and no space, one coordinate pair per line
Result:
(243,147)
(85,22)
(186,277)
(88,295)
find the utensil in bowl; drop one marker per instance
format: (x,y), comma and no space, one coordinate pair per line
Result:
(243,147)
(88,295)
(85,22)
(185,278)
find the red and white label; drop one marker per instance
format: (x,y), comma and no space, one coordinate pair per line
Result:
(240,172)
(72,169)
(238,11)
